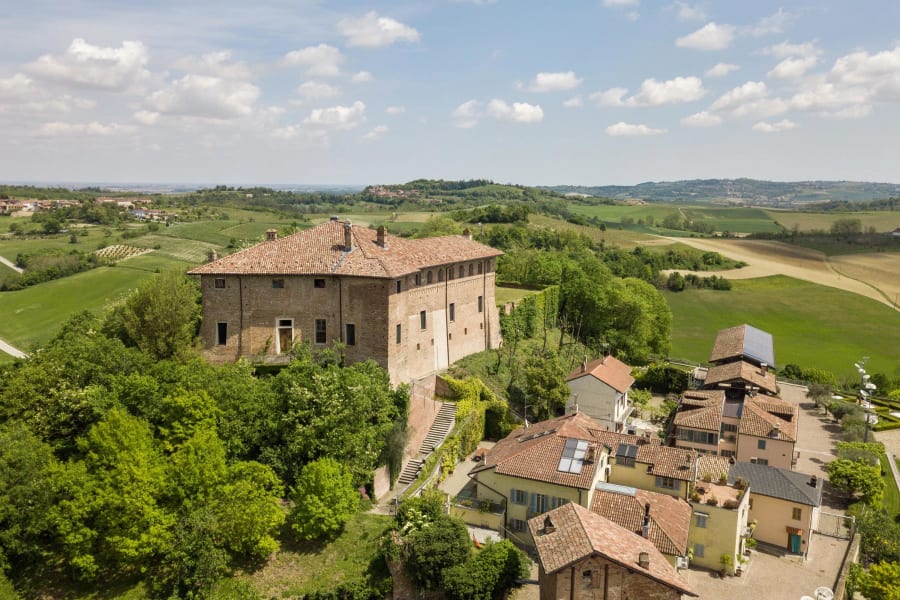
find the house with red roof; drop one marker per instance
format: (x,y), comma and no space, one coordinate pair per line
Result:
(600,389)
(585,555)
(413,306)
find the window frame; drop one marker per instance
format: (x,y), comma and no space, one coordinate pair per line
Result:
(700,520)
(797,514)
(481,304)
(398,334)
(451,312)
(321,329)
(221,333)
(217,281)
(319,283)
(760,444)
(278,284)
(423,320)
(350,334)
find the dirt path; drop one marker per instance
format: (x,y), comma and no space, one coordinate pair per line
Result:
(765,258)
(11,265)
(11,350)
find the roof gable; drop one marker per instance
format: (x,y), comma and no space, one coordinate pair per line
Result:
(744,340)
(610,370)
(670,517)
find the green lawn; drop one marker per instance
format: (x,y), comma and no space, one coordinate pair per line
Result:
(33,315)
(306,568)
(511,294)
(813,325)
(891,500)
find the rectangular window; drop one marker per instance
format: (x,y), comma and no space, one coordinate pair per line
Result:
(423,320)
(278,284)
(471,269)
(350,339)
(762,461)
(480,268)
(698,550)
(700,520)
(462,271)
(667,483)
(452,312)
(320,331)
(397,334)
(399,286)
(480,303)
(797,514)
(729,427)
(285,335)
(518,525)
(429,277)
(221,333)
(319,283)
(761,444)
(727,453)
(538,504)
(418,279)
(220,283)
(518,497)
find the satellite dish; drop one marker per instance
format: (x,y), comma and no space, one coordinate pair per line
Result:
(871,386)
(857,365)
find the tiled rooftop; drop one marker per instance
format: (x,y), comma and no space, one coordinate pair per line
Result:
(741,370)
(701,410)
(779,483)
(609,370)
(770,418)
(670,517)
(321,251)
(664,461)
(743,340)
(580,533)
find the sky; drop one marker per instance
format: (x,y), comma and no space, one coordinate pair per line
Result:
(594,92)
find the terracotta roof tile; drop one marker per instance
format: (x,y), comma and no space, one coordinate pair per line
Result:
(769,418)
(664,461)
(670,517)
(701,410)
(609,370)
(320,251)
(741,370)
(580,533)
(743,340)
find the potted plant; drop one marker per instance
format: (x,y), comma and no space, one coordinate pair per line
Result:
(727,562)
(712,501)
(723,478)
(741,562)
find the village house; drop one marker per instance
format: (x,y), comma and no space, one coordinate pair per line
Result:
(600,389)
(785,504)
(741,357)
(719,529)
(413,306)
(643,462)
(759,429)
(584,555)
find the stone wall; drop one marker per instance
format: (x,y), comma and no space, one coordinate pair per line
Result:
(593,576)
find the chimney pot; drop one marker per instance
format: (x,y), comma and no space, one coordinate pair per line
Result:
(271,235)
(348,236)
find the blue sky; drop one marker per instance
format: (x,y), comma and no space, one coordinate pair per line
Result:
(599,92)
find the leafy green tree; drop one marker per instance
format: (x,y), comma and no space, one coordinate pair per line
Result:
(324,499)
(820,393)
(855,477)
(438,225)
(489,574)
(194,561)
(846,227)
(161,317)
(881,581)
(544,385)
(420,511)
(442,545)
(879,532)
(640,399)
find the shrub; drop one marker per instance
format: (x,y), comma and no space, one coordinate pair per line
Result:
(442,545)
(324,499)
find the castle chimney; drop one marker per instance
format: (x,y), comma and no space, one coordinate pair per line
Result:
(271,235)
(467,233)
(212,256)
(348,236)
(381,232)
(644,560)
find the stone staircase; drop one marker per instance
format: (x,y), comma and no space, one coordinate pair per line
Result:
(440,428)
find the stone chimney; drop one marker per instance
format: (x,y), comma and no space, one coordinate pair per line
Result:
(645,528)
(644,560)
(212,256)
(814,481)
(549,527)
(348,236)
(467,233)
(271,235)
(381,233)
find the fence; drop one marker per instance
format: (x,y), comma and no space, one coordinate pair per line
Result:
(837,526)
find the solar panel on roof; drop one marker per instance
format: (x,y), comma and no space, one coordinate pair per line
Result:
(627,450)
(573,456)
(759,345)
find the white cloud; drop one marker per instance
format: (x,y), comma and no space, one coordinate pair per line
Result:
(146,117)
(688,12)
(752,90)
(774,23)
(858,111)
(786,50)
(792,68)
(362,77)
(867,69)
(610,97)
(518,112)
(762,108)
(215,64)
(554,82)
(17,87)
(824,95)
(631,129)
(372,31)
(709,37)
(654,93)
(205,97)
(86,65)
(776,127)
(702,119)
(395,110)
(316,90)
(341,118)
(59,128)
(317,61)
(573,102)
(721,70)
(466,114)
(375,133)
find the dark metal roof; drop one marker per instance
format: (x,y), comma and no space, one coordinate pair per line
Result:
(758,345)
(778,483)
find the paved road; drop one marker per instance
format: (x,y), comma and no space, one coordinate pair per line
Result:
(12,350)
(11,265)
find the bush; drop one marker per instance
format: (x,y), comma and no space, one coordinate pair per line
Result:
(663,378)
(324,499)
(489,574)
(440,546)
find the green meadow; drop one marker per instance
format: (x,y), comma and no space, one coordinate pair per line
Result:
(813,325)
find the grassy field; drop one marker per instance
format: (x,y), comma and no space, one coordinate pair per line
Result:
(304,568)
(624,238)
(740,220)
(34,315)
(891,500)
(813,325)
(807,221)
(511,294)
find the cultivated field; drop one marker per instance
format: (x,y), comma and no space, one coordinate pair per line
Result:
(813,325)
(808,221)
(873,276)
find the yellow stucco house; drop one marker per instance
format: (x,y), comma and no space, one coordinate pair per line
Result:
(719,525)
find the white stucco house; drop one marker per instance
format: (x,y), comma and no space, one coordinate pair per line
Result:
(600,390)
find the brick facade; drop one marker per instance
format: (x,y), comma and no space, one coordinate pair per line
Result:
(597,577)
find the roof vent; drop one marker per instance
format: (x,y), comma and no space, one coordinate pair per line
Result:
(348,236)
(271,235)
(549,527)
(644,560)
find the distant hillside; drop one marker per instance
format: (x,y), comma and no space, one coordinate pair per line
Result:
(751,192)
